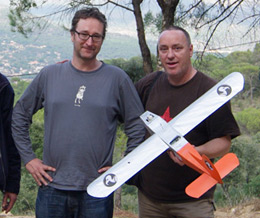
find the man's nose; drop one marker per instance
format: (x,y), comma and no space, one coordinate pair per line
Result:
(171,54)
(89,41)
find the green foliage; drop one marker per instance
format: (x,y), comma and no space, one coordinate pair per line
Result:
(19,87)
(243,182)
(234,196)
(129,193)
(37,127)
(25,203)
(253,187)
(256,54)
(23,21)
(238,57)
(251,74)
(133,67)
(153,23)
(19,15)
(129,198)
(37,133)
(247,149)
(249,119)
(120,144)
(246,62)
(214,66)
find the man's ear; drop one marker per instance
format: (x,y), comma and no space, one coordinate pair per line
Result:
(72,36)
(191,50)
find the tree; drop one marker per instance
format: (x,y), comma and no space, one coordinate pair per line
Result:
(244,181)
(211,17)
(120,146)
(245,62)
(146,54)
(133,67)
(213,66)
(256,56)
(19,86)
(249,119)
(204,17)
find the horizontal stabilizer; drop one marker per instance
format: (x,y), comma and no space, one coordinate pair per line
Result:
(204,182)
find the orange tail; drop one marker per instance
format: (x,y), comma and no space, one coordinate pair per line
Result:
(204,182)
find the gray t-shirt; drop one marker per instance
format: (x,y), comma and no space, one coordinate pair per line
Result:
(81,112)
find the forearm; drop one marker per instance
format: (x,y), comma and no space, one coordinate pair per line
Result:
(135,135)
(132,108)
(14,170)
(215,147)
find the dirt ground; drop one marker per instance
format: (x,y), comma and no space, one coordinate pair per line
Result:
(247,210)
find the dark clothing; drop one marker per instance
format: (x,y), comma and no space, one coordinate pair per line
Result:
(163,180)
(10,164)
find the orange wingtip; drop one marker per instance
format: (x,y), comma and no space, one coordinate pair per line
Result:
(201,185)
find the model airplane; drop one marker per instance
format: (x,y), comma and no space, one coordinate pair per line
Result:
(170,136)
(211,174)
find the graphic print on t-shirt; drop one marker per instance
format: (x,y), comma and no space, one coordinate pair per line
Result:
(166,116)
(79,95)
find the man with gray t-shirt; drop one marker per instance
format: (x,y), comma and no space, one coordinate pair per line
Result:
(83,99)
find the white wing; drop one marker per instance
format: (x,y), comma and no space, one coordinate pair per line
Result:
(208,103)
(127,167)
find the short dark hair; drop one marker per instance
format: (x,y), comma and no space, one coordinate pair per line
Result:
(187,35)
(89,13)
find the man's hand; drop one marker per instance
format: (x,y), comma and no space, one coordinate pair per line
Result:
(175,158)
(8,201)
(104,169)
(38,171)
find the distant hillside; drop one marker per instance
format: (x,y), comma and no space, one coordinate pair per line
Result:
(20,55)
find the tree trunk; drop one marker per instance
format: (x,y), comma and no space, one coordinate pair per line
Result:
(147,60)
(118,193)
(168,8)
(251,88)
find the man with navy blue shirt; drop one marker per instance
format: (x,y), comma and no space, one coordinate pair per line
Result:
(10,163)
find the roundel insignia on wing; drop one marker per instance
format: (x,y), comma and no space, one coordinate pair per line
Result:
(224,90)
(110,180)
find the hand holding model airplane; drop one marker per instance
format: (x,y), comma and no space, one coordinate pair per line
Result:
(171,136)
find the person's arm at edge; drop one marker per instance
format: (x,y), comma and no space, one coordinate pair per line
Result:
(14,162)
(29,104)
